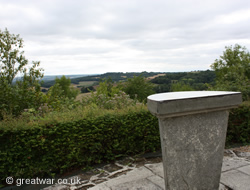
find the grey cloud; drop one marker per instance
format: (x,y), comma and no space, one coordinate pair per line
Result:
(162,34)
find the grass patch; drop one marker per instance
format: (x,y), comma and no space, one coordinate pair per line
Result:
(28,120)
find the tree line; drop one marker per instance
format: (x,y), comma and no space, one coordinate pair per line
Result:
(116,77)
(197,80)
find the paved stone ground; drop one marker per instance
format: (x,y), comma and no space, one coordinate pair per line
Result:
(146,173)
(108,172)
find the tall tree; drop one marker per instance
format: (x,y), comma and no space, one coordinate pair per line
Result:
(180,86)
(138,88)
(233,70)
(15,96)
(62,89)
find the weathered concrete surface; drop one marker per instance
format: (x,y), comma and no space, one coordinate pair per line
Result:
(182,103)
(192,148)
(193,129)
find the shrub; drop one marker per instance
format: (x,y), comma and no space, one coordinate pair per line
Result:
(42,148)
(180,86)
(117,101)
(61,95)
(108,96)
(138,88)
(239,125)
(87,89)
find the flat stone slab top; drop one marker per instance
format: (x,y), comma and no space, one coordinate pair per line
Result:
(173,104)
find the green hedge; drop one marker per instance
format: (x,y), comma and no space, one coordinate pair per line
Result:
(50,149)
(57,146)
(238,131)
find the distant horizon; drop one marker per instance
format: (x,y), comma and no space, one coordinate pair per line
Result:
(128,72)
(91,74)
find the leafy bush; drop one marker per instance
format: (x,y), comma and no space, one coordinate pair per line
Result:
(107,88)
(239,125)
(61,95)
(42,148)
(117,101)
(87,89)
(180,86)
(108,96)
(138,88)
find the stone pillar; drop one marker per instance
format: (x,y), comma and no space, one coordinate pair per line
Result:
(193,128)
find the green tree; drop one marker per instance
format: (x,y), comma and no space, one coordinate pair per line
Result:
(108,96)
(24,93)
(138,88)
(61,93)
(233,70)
(181,86)
(87,89)
(107,88)
(67,91)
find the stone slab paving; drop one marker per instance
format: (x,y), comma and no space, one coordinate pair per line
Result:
(111,172)
(235,175)
(146,173)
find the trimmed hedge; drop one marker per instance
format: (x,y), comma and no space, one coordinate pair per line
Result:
(46,150)
(238,131)
(55,147)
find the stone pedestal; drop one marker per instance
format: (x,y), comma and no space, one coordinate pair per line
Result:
(193,129)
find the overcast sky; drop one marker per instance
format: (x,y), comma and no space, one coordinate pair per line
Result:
(98,36)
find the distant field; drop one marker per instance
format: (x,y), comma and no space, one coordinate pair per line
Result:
(150,78)
(82,95)
(86,83)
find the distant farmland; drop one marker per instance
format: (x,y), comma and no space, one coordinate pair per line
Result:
(87,83)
